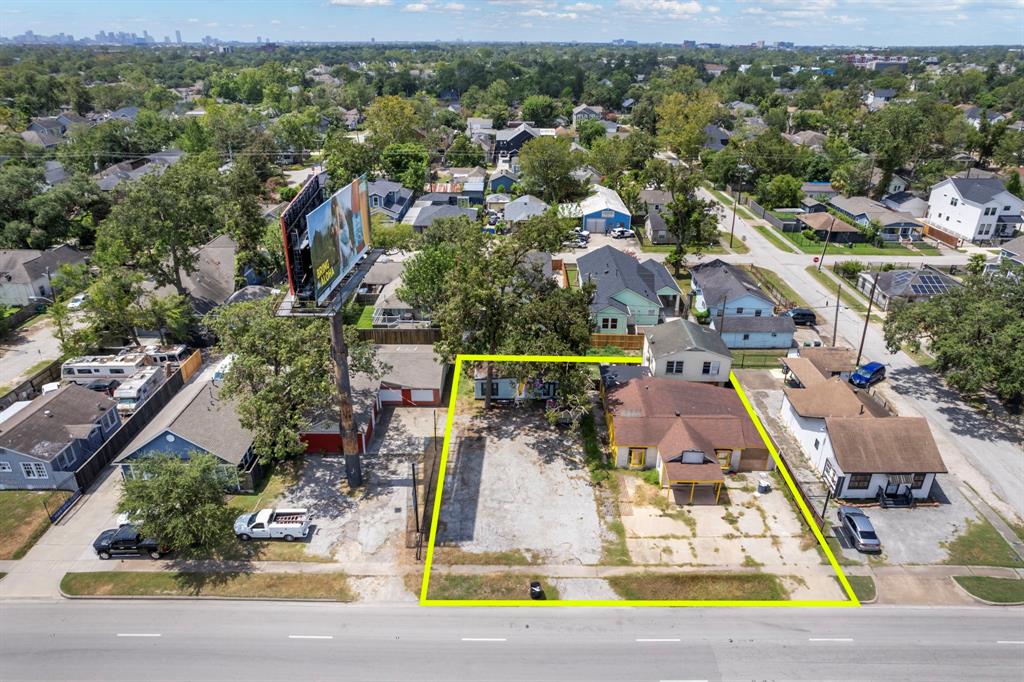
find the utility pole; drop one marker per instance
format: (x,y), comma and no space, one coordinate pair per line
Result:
(835,328)
(867,318)
(346,421)
(735,206)
(827,238)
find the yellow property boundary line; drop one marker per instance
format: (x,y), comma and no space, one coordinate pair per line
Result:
(622,360)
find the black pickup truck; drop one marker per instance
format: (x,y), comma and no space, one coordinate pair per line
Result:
(126,541)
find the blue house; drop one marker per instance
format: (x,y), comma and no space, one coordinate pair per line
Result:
(717,283)
(44,441)
(600,212)
(628,292)
(755,332)
(198,420)
(502,180)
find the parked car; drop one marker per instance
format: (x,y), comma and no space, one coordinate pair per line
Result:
(126,541)
(77,301)
(621,233)
(868,375)
(107,386)
(288,524)
(802,316)
(858,526)
(582,234)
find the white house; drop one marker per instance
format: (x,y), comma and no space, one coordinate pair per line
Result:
(974,209)
(26,274)
(680,349)
(584,112)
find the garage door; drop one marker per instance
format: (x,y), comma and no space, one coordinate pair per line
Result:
(596,225)
(422,397)
(390,395)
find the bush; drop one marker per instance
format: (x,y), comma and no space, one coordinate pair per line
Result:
(703,316)
(651,476)
(850,269)
(810,235)
(288,193)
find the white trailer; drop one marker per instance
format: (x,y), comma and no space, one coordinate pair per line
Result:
(273,523)
(132,393)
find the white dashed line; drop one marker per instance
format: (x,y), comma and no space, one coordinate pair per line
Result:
(310,636)
(484,639)
(138,634)
(1010,641)
(669,639)
(830,639)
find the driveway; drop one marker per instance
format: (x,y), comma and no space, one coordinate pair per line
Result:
(516,483)
(26,348)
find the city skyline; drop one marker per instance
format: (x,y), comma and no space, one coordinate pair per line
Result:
(816,22)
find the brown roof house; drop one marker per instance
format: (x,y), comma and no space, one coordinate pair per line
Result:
(822,223)
(831,361)
(860,450)
(692,433)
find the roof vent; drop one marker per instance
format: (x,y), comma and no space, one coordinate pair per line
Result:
(678,413)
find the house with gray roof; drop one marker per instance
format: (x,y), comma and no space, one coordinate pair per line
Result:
(894,226)
(426,215)
(974,209)
(727,290)
(212,281)
(745,331)
(681,349)
(43,444)
(25,274)
(132,169)
(389,199)
(522,209)
(509,141)
(198,420)
(715,137)
(914,284)
(629,293)
(905,202)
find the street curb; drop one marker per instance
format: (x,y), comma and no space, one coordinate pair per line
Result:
(984,601)
(168,597)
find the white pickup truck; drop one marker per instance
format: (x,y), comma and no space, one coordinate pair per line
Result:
(273,523)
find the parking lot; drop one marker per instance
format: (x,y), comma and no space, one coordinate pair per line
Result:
(515,483)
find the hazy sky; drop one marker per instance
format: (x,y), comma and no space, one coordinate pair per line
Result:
(849,22)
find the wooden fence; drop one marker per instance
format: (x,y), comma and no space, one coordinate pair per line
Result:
(410,336)
(627,342)
(787,225)
(938,235)
(31,387)
(191,365)
(12,321)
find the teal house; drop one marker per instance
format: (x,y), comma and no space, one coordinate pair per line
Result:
(629,293)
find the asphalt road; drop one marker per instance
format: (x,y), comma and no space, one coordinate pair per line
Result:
(166,640)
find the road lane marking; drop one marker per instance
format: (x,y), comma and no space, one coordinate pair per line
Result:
(484,639)
(668,639)
(310,636)
(830,639)
(138,634)
(1010,641)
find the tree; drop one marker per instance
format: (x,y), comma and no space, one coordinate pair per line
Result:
(282,372)
(608,157)
(391,120)
(894,134)
(853,178)
(162,220)
(690,220)
(681,121)
(1013,185)
(975,332)
(547,164)
(180,503)
(1009,150)
(170,315)
(406,163)
(540,109)
(395,237)
(346,159)
(590,131)
(464,153)
(780,191)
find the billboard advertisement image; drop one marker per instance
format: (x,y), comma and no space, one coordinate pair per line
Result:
(337,231)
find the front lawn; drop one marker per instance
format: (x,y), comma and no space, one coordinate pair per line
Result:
(333,586)
(282,476)
(851,300)
(981,545)
(801,242)
(487,586)
(365,320)
(776,282)
(699,586)
(773,236)
(758,359)
(24,517)
(863,586)
(997,590)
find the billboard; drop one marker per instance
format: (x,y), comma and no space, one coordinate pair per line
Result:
(337,232)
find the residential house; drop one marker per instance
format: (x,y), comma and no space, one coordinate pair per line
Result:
(199,420)
(898,182)
(423,214)
(905,202)
(917,284)
(831,361)
(727,290)
(131,170)
(44,139)
(496,202)
(811,139)
(26,274)
(476,125)
(54,173)
(510,140)
(584,112)
(522,209)
(739,108)
(461,176)
(1013,251)
(656,200)
(691,432)
(43,444)
(388,199)
(974,209)
(822,224)
(715,137)
(746,331)
(863,211)
(656,229)
(586,175)
(627,104)
(123,114)
(715,70)
(878,98)
(213,280)
(502,180)
(383,271)
(975,114)
(822,191)
(600,212)
(628,291)
(685,350)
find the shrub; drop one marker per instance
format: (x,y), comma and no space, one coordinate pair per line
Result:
(703,316)
(810,235)
(288,193)
(651,476)
(850,269)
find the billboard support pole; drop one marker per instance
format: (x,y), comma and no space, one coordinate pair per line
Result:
(346,421)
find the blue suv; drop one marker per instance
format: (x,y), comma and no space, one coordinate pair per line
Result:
(868,375)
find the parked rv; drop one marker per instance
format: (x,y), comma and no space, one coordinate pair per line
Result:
(167,355)
(86,369)
(132,393)
(288,524)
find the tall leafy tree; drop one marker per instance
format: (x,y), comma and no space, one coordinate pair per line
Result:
(391,120)
(681,121)
(547,164)
(346,159)
(691,221)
